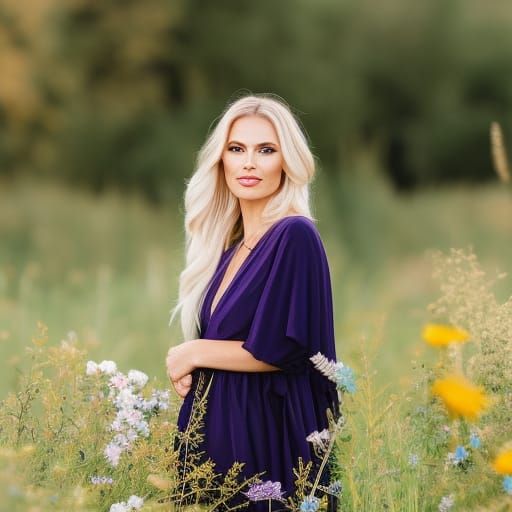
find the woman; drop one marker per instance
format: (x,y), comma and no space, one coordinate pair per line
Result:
(255,298)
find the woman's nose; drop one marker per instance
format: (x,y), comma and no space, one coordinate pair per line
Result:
(249,162)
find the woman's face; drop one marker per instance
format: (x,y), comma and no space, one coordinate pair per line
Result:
(252,149)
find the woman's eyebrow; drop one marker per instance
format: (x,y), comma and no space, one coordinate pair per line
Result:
(259,144)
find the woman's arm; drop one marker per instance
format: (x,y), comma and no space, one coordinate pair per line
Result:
(227,355)
(220,354)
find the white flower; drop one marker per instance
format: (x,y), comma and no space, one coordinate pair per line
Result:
(116,425)
(108,367)
(121,440)
(126,399)
(135,502)
(446,503)
(319,439)
(112,453)
(138,378)
(119,507)
(91,368)
(143,428)
(131,435)
(132,416)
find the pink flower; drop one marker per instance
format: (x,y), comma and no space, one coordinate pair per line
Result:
(119,381)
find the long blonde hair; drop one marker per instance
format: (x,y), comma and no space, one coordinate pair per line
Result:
(213,219)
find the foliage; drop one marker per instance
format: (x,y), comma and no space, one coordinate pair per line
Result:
(107,96)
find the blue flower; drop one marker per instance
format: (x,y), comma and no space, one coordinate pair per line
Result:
(335,488)
(310,504)
(344,377)
(460,454)
(474,441)
(507,484)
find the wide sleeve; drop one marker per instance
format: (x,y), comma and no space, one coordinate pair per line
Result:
(294,315)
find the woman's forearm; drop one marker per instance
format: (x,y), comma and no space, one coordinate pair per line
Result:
(227,355)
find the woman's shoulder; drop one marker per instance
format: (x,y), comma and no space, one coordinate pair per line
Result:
(299,226)
(300,231)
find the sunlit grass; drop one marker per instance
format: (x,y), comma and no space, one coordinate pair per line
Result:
(105,270)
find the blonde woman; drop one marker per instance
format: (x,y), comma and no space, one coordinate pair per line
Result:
(255,298)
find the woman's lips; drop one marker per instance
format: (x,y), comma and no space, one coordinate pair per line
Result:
(248,182)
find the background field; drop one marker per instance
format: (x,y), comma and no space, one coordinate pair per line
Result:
(107,267)
(103,108)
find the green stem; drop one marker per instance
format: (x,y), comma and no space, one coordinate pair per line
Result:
(339,424)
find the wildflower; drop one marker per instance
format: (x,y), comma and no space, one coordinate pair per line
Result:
(319,439)
(474,441)
(112,453)
(119,507)
(135,502)
(265,491)
(439,335)
(446,503)
(503,463)
(335,488)
(91,368)
(413,459)
(344,378)
(507,484)
(101,480)
(460,455)
(137,378)
(309,504)
(118,381)
(460,397)
(126,399)
(132,409)
(342,375)
(108,367)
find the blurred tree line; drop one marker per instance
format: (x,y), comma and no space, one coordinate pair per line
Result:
(122,92)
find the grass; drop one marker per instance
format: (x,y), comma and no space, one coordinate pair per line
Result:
(107,269)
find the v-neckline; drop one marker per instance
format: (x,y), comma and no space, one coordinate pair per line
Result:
(220,278)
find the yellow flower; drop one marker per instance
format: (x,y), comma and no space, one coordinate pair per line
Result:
(460,397)
(502,464)
(439,335)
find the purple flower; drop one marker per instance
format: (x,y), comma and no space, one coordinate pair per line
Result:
(265,491)
(101,480)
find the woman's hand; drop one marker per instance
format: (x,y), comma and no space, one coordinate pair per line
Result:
(180,365)
(183,386)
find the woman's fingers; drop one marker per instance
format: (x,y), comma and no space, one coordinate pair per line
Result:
(187,379)
(182,386)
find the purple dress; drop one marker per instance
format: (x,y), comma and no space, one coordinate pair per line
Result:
(280,304)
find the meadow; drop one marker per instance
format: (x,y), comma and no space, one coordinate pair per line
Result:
(92,278)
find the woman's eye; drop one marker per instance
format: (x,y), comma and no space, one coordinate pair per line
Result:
(271,150)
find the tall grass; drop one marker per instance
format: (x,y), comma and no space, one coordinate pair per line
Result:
(104,270)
